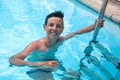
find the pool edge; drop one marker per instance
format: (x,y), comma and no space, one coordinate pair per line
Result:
(112,11)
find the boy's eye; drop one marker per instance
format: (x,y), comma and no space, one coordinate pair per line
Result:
(59,26)
(51,24)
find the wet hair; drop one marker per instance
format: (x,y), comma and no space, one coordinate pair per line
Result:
(54,14)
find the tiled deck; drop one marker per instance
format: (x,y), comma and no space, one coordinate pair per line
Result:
(112,10)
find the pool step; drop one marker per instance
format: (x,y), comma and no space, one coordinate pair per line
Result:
(97,63)
(90,72)
(108,55)
(111,58)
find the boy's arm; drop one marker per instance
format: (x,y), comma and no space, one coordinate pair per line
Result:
(18,59)
(86,29)
(80,31)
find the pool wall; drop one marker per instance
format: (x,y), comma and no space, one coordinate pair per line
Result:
(112,11)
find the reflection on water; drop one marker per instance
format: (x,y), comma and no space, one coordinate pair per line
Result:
(22,22)
(40,75)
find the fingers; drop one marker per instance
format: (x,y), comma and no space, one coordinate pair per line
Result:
(54,63)
(51,63)
(100,22)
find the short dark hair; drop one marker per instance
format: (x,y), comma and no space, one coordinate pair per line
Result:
(54,14)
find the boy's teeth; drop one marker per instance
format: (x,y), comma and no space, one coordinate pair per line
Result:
(53,32)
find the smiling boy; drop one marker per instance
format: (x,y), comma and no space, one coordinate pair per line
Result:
(46,46)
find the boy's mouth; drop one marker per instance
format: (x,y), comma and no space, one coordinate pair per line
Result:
(53,32)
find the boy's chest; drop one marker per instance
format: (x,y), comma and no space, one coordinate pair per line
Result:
(41,55)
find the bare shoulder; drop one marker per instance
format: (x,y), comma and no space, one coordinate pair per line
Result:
(33,45)
(36,41)
(29,48)
(61,38)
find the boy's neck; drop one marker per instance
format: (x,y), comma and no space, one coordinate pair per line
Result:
(50,42)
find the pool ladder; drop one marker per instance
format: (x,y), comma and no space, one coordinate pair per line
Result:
(92,59)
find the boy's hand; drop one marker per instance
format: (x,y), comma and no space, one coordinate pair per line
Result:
(50,63)
(46,65)
(100,22)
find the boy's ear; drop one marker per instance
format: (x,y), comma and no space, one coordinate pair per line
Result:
(44,26)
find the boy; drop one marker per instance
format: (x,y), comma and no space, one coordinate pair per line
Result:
(43,47)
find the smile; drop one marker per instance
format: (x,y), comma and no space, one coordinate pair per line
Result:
(53,32)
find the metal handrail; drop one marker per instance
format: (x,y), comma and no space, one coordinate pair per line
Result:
(102,11)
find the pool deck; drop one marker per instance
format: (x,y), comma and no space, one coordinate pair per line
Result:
(112,11)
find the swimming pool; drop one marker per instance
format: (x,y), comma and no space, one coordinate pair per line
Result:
(21,22)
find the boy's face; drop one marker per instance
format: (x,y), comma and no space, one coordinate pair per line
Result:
(54,27)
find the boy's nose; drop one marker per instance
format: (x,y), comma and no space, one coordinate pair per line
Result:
(54,27)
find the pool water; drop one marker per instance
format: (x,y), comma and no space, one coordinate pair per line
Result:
(21,22)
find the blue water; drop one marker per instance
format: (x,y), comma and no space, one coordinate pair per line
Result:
(21,22)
